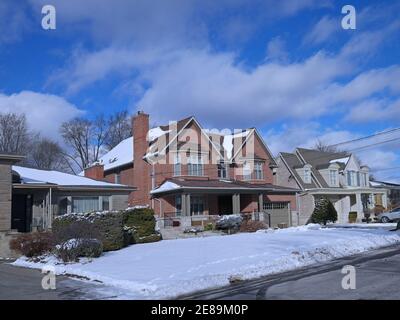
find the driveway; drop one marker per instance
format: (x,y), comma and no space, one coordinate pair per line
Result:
(377,277)
(25,284)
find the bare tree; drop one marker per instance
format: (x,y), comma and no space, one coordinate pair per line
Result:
(14,135)
(47,155)
(119,128)
(85,138)
(77,134)
(321,146)
(99,135)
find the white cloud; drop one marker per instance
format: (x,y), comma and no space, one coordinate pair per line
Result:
(44,112)
(322,30)
(276,50)
(307,135)
(374,110)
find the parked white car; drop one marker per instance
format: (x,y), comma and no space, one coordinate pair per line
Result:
(390,216)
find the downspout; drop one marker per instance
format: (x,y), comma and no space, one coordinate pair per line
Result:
(43,211)
(50,209)
(159,201)
(153,185)
(298,208)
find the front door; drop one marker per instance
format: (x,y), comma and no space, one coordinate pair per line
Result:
(21,212)
(225,205)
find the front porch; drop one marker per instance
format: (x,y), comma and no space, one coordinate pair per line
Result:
(198,203)
(362,201)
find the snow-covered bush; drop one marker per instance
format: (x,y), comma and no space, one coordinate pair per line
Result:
(229,222)
(32,244)
(72,249)
(69,227)
(106,226)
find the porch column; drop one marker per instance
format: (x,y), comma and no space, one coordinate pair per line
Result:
(260,202)
(236,203)
(185,204)
(359,206)
(384,200)
(188,204)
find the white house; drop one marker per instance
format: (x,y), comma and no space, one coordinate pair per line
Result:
(339,176)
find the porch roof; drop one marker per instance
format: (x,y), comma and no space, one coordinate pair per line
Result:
(29,178)
(171,186)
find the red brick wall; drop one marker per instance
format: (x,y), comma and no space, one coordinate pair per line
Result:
(141,169)
(95,172)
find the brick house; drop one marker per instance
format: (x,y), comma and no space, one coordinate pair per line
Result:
(189,175)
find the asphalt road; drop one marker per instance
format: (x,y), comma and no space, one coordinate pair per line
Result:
(377,277)
(25,284)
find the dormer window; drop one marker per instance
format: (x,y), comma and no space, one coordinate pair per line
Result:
(364,179)
(307,175)
(333,177)
(353,178)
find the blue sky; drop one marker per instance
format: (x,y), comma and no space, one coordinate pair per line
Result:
(285,67)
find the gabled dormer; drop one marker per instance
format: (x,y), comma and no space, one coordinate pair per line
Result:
(305,172)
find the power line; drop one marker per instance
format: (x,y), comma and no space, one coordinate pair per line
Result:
(366,137)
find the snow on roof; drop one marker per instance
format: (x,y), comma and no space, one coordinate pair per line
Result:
(166,186)
(342,160)
(118,156)
(156,132)
(35,176)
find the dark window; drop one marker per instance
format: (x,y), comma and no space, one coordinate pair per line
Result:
(178,205)
(196,205)
(222,170)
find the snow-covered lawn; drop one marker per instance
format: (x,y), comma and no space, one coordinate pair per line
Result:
(173,267)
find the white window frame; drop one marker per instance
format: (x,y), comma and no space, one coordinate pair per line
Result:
(247,174)
(307,175)
(333,177)
(258,170)
(195,166)
(177,166)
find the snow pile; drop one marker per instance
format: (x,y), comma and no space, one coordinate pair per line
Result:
(170,268)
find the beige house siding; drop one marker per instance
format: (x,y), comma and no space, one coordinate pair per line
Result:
(283,176)
(5,196)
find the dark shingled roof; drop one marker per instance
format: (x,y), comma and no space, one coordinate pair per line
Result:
(317,159)
(294,162)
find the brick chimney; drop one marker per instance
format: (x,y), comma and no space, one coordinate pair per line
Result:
(141,169)
(96,172)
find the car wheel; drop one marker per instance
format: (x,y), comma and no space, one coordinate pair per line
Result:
(385,220)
